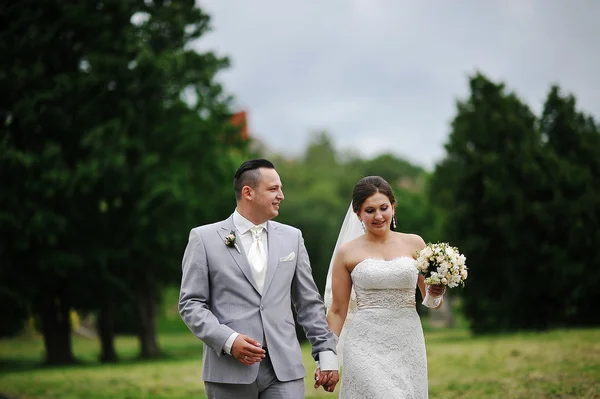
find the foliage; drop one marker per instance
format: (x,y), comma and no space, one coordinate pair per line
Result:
(510,199)
(108,166)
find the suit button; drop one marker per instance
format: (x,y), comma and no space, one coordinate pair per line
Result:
(261,307)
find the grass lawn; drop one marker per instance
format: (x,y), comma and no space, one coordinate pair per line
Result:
(555,364)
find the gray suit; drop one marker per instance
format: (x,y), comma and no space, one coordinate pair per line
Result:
(219,296)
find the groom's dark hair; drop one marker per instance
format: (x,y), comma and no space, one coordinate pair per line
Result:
(249,175)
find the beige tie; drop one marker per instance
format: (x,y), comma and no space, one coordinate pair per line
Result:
(258,257)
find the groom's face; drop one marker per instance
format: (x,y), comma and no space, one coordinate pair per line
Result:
(268,194)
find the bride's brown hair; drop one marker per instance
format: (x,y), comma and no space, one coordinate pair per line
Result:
(368,186)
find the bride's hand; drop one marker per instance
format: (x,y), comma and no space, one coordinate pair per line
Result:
(436,290)
(327,379)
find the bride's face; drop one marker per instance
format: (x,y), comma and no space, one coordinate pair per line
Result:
(376,213)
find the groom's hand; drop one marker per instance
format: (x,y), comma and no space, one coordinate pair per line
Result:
(326,378)
(246,350)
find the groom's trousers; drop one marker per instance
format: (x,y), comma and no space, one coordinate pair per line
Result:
(266,386)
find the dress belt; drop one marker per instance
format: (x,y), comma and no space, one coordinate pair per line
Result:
(385,298)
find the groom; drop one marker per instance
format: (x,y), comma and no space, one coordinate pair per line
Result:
(240,278)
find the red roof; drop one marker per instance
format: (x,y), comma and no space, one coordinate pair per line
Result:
(239,119)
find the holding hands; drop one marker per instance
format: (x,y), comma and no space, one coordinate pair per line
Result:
(328,379)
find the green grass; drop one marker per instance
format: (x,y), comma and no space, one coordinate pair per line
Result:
(555,364)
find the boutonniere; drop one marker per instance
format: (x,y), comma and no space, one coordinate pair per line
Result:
(230,241)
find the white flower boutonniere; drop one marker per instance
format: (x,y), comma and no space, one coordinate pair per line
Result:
(230,241)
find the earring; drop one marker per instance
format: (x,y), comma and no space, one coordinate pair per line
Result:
(363,226)
(394,221)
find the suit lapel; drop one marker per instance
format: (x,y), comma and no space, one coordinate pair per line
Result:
(240,258)
(274,240)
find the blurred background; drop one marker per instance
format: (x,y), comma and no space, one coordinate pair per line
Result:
(123,122)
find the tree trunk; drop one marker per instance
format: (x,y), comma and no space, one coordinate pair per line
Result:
(56,325)
(106,330)
(146,310)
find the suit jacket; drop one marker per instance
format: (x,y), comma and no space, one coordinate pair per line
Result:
(219,296)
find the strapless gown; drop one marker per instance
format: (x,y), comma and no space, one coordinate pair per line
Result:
(384,351)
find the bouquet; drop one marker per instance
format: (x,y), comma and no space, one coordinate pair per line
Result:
(442,264)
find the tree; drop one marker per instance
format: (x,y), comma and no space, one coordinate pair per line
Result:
(107,165)
(180,157)
(50,127)
(518,197)
(572,141)
(393,169)
(488,185)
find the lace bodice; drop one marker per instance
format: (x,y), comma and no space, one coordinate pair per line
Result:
(384,351)
(385,283)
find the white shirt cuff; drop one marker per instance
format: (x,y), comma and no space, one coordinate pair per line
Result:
(229,343)
(328,361)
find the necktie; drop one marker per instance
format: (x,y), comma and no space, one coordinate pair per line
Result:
(258,257)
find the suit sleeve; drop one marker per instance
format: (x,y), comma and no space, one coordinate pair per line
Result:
(194,297)
(309,305)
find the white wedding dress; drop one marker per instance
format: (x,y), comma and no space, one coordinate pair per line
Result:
(384,352)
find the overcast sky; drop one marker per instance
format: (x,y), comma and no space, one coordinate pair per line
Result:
(384,75)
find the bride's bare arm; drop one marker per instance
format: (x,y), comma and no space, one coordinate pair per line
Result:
(418,245)
(421,284)
(341,286)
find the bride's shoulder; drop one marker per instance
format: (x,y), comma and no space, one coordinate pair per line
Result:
(350,250)
(413,240)
(350,246)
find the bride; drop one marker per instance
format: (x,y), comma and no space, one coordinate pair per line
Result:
(370,296)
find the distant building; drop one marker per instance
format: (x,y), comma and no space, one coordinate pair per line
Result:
(240,119)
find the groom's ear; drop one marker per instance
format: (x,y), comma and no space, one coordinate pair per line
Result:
(247,192)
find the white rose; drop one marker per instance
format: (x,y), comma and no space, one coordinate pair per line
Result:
(433,279)
(449,252)
(444,281)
